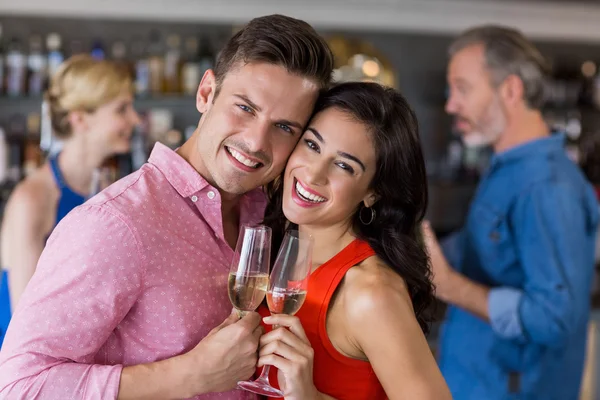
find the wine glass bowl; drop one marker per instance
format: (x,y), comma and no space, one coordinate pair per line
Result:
(289,278)
(248,278)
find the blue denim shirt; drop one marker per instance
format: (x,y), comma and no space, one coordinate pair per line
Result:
(529,235)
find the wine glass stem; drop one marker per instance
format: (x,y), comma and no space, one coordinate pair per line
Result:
(264,376)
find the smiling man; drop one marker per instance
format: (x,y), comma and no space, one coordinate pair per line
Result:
(129,298)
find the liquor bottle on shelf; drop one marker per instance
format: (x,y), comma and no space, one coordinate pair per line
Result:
(15,139)
(2,66)
(33,153)
(104,176)
(160,123)
(118,55)
(16,69)
(139,143)
(141,68)
(3,156)
(76,47)
(566,87)
(571,114)
(46,134)
(206,56)
(161,128)
(118,52)
(573,131)
(190,69)
(55,53)
(594,90)
(36,66)
(124,165)
(97,51)
(454,160)
(156,63)
(15,157)
(189,131)
(590,157)
(589,73)
(172,65)
(173,138)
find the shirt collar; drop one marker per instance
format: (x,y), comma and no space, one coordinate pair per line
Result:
(180,174)
(535,148)
(187,181)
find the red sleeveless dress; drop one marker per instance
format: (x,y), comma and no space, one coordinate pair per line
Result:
(334,374)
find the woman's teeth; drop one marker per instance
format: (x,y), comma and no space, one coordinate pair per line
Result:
(305,195)
(238,156)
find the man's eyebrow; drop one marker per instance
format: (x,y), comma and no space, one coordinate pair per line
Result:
(296,125)
(247,100)
(252,104)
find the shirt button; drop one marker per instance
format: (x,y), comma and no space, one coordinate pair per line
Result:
(211,195)
(194,198)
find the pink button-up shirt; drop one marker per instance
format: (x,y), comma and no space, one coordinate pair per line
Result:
(137,274)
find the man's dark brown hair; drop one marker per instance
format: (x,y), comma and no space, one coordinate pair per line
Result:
(276,39)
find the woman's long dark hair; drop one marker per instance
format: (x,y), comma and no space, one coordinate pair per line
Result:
(400,183)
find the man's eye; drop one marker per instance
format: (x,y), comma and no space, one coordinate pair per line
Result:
(285,128)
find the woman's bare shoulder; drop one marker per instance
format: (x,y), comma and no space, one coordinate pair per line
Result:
(33,198)
(372,286)
(374,275)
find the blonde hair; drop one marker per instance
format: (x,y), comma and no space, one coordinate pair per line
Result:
(83,84)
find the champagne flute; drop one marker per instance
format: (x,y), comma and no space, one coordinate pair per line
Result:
(287,290)
(249,272)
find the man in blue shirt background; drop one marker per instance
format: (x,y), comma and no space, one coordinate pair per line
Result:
(518,276)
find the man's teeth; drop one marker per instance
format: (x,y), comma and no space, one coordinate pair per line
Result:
(307,195)
(238,156)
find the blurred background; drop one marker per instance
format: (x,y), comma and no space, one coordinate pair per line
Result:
(401,43)
(167,46)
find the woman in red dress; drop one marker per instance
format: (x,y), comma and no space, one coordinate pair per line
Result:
(356,182)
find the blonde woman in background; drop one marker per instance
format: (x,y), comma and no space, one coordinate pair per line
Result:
(91,110)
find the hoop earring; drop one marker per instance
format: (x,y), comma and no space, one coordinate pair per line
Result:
(373,215)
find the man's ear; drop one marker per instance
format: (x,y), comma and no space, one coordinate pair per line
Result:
(206,91)
(512,90)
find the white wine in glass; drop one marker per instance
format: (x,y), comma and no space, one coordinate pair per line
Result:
(246,292)
(249,274)
(286,294)
(285,301)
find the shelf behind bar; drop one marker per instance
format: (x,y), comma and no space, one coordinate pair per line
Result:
(166,100)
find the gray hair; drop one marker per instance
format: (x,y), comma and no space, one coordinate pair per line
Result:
(508,52)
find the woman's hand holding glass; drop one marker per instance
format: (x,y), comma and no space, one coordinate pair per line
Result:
(289,350)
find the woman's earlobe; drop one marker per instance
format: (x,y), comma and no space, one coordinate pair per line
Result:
(371,200)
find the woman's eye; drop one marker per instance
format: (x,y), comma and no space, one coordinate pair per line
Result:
(346,167)
(311,145)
